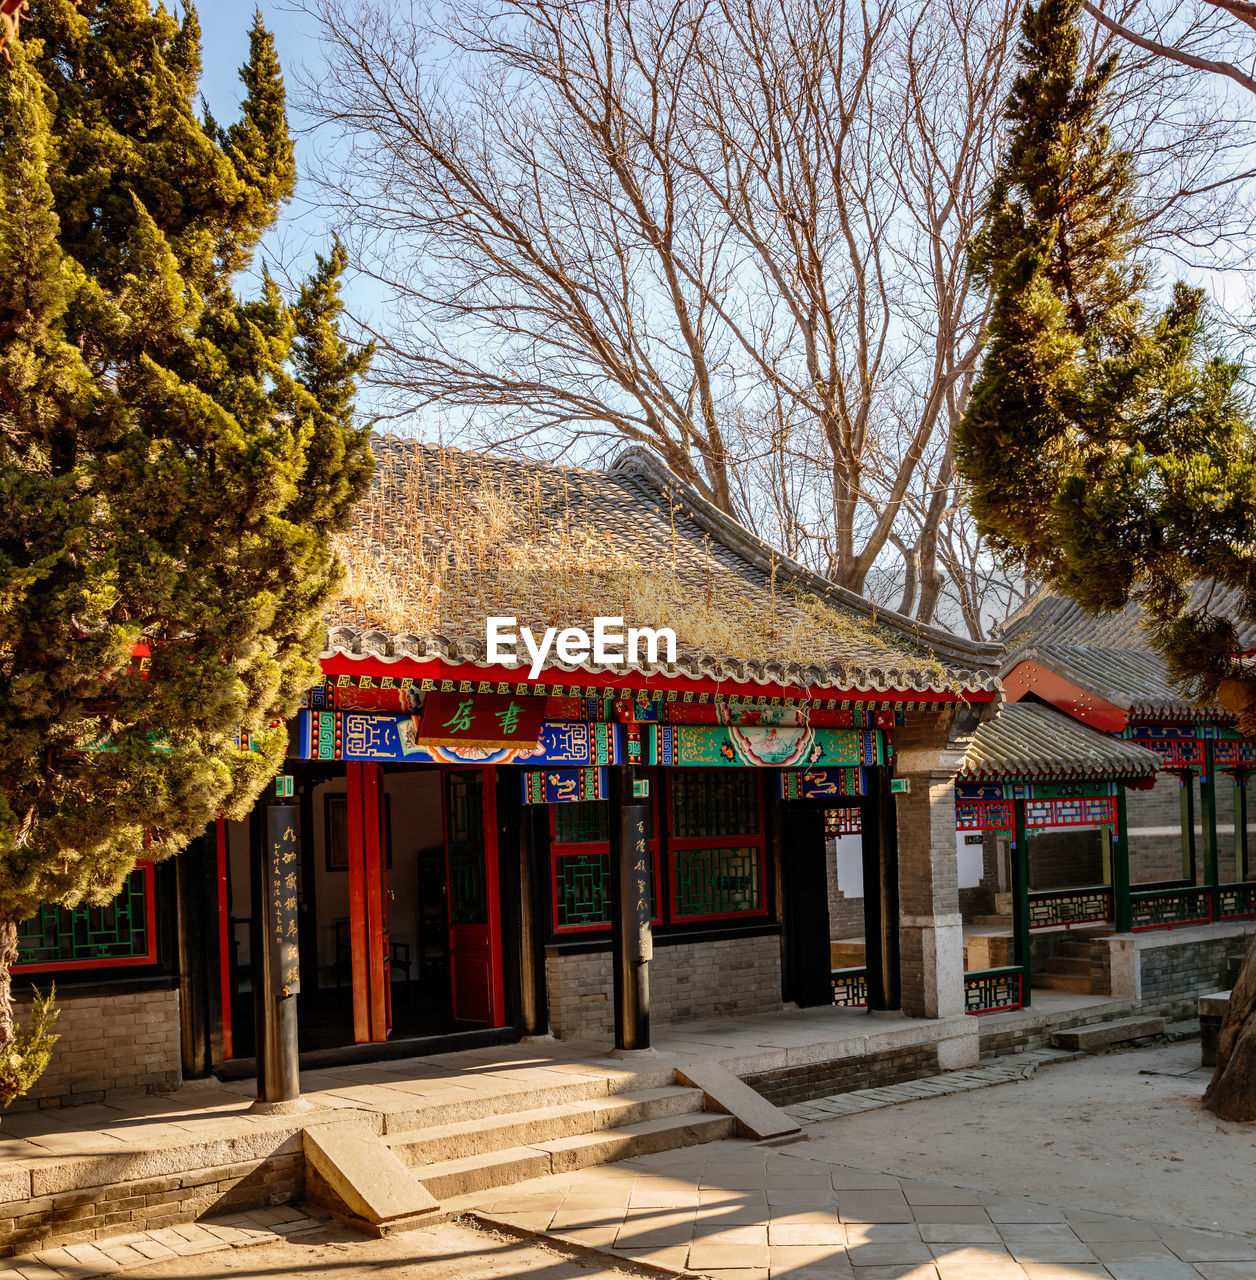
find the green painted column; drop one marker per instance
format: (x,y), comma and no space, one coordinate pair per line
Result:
(1240,825)
(1208,821)
(1187,801)
(1020,895)
(1122,915)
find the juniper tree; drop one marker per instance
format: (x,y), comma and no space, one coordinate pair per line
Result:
(171,466)
(1105,446)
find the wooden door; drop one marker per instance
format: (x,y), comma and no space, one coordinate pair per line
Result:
(475,954)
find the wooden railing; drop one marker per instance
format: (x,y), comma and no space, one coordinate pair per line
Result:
(1066,907)
(850,988)
(986,990)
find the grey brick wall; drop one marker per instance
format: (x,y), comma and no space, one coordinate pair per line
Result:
(790,1085)
(110,1045)
(723,978)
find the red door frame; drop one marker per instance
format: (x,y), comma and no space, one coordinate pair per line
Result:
(483,939)
(368,934)
(222,870)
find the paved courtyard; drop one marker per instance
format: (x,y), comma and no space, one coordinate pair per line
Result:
(1098,1167)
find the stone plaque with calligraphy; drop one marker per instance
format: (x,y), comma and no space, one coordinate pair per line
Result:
(281,895)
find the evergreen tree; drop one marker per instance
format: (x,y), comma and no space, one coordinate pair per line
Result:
(1105,447)
(171,467)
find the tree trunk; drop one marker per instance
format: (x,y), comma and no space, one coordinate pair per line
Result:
(8,958)
(1232,1092)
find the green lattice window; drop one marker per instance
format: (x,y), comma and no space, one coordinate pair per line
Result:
(119,933)
(584,822)
(468,889)
(715,802)
(714,882)
(582,890)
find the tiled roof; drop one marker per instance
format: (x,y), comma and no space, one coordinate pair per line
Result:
(1027,740)
(640,525)
(1107,654)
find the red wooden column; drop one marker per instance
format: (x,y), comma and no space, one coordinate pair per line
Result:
(221,871)
(360,962)
(492,882)
(376,941)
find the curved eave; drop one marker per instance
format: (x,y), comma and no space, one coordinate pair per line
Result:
(895,682)
(1051,774)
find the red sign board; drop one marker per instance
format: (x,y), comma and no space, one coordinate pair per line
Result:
(480,720)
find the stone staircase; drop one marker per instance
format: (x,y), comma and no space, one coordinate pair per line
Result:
(1068,969)
(479,1152)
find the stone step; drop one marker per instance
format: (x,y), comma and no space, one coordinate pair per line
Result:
(1102,1035)
(424,1114)
(1068,964)
(1005,922)
(543,1124)
(1061,982)
(1074,948)
(448,1178)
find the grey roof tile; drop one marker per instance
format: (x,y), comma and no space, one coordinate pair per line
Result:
(651,522)
(1029,740)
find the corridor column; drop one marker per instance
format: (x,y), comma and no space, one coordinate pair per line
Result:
(1122,914)
(1208,824)
(880,877)
(632,943)
(1020,894)
(931,933)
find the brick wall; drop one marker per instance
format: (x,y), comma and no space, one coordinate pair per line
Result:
(111,1044)
(1174,976)
(790,1085)
(722,978)
(1065,859)
(92,1213)
(1154,822)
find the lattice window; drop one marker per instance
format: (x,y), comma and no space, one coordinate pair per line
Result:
(584,822)
(581,865)
(582,890)
(468,887)
(714,802)
(119,933)
(709,883)
(842,822)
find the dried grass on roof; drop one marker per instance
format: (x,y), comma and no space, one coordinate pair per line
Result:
(438,548)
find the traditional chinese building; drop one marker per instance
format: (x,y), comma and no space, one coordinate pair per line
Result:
(481,852)
(1160,852)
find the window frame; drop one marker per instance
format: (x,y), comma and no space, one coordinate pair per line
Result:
(149,957)
(758,840)
(599,848)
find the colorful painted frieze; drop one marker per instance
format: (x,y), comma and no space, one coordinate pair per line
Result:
(821,784)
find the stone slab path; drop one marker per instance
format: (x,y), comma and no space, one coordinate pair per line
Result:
(736,1211)
(1007,1070)
(137,1249)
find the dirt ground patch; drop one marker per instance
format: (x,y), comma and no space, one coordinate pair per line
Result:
(1092,1134)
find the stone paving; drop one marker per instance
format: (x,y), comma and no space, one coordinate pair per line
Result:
(1005,1071)
(737,1211)
(141,1248)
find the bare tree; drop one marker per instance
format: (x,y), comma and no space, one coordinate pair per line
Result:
(732,230)
(1206,35)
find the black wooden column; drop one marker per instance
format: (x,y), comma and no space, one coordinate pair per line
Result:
(1187,803)
(879,827)
(277,978)
(632,943)
(805,877)
(199,1005)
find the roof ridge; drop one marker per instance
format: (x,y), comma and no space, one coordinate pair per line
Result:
(643,464)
